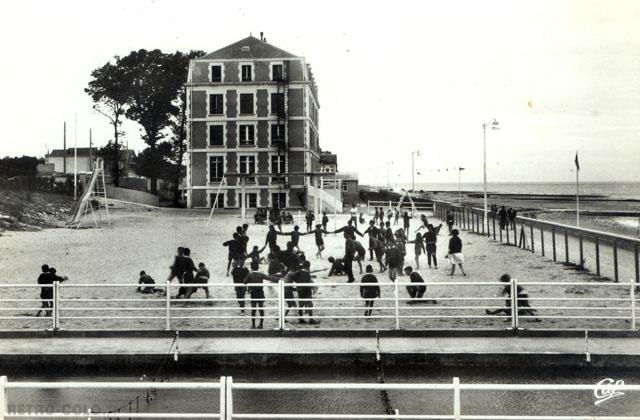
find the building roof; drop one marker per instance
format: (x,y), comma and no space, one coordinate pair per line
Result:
(328,158)
(347,176)
(257,49)
(82,151)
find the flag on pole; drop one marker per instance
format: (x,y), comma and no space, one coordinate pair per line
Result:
(577,162)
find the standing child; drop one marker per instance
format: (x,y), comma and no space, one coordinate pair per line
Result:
(302,279)
(238,274)
(431,239)
(256,291)
(450,221)
(318,231)
(310,217)
(455,252)
(325,220)
(396,216)
(406,222)
(419,249)
(295,236)
(369,290)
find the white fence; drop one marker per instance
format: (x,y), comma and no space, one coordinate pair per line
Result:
(226,387)
(444,305)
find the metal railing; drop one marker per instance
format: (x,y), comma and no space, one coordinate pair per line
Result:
(603,253)
(400,305)
(226,388)
(406,205)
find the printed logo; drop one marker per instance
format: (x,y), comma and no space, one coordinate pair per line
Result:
(607,389)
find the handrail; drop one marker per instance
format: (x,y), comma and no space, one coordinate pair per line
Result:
(226,387)
(454,300)
(575,229)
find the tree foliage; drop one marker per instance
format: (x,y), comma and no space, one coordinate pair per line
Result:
(110,89)
(148,87)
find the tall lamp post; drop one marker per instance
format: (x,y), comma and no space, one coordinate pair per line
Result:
(413,171)
(460,169)
(389,174)
(494,125)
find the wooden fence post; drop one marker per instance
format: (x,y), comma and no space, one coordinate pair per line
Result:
(597,256)
(553,241)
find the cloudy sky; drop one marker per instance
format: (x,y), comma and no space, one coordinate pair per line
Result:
(394,77)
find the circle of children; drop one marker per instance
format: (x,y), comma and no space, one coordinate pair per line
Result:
(386,247)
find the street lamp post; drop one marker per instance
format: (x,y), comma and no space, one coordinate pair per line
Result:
(459,186)
(494,126)
(389,174)
(413,171)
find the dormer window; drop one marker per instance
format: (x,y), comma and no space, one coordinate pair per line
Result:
(245,48)
(216,73)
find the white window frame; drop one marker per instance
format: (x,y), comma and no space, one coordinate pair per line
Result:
(281,164)
(224,134)
(221,199)
(255,105)
(224,166)
(275,63)
(240,124)
(255,164)
(253,73)
(344,187)
(239,199)
(286,198)
(224,105)
(221,65)
(271,140)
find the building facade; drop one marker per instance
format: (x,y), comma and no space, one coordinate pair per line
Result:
(252,126)
(328,162)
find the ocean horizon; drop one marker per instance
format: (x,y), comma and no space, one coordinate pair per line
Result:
(615,190)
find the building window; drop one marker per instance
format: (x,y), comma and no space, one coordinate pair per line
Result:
(276,71)
(246,72)
(345,186)
(277,103)
(250,200)
(279,200)
(216,168)
(246,103)
(220,203)
(216,135)
(216,73)
(215,104)
(247,135)
(248,167)
(277,164)
(277,133)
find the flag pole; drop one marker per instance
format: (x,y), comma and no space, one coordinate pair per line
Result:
(577,191)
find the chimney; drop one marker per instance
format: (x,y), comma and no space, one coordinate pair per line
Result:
(261,36)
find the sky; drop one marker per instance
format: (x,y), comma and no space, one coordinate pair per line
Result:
(394,78)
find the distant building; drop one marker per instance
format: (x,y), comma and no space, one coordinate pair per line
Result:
(55,161)
(328,162)
(348,184)
(63,162)
(253,110)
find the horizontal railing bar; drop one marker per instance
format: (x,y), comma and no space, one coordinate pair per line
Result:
(111,385)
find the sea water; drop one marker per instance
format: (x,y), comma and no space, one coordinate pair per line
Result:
(611,190)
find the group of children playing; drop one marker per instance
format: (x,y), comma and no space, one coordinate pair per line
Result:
(386,245)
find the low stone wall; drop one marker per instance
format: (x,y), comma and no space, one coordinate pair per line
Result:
(134,196)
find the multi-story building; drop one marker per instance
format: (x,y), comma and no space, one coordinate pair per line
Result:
(252,120)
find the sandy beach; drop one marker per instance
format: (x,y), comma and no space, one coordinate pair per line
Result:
(146,240)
